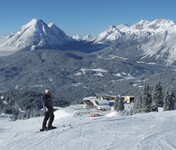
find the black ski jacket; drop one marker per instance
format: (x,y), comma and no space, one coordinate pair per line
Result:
(47,102)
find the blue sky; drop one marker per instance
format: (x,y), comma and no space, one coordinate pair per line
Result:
(82,16)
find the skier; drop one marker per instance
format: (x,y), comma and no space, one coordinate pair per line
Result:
(49,111)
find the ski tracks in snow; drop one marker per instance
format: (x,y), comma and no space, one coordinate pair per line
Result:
(151,131)
(34,141)
(159,141)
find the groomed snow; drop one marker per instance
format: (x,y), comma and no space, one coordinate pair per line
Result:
(151,131)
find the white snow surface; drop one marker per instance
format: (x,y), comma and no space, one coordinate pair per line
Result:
(98,70)
(83,38)
(150,131)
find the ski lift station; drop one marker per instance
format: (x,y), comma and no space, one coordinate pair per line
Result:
(94,102)
(100,104)
(105,102)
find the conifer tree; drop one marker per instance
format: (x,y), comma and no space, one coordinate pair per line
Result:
(172,97)
(120,104)
(116,103)
(157,100)
(169,101)
(166,105)
(146,99)
(137,104)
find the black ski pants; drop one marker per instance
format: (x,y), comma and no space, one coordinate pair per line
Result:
(49,115)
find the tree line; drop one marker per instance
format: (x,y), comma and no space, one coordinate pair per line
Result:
(26,104)
(23,104)
(148,101)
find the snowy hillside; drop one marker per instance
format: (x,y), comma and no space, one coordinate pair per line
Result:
(149,131)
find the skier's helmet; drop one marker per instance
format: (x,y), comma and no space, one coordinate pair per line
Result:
(47,91)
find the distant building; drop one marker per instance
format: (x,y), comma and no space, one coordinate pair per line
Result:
(128,99)
(105,102)
(106,97)
(94,102)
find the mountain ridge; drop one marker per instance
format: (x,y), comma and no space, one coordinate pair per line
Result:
(154,39)
(151,41)
(36,34)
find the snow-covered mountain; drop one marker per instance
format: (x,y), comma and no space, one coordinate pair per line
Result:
(35,35)
(111,34)
(5,37)
(149,131)
(128,54)
(151,41)
(145,41)
(154,27)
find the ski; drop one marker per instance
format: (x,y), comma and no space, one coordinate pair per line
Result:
(62,126)
(65,125)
